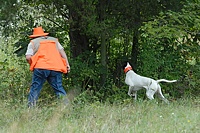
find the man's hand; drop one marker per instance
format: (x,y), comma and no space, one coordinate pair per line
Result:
(28,59)
(63,54)
(68,69)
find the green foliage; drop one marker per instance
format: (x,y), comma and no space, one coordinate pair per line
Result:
(170,49)
(15,76)
(83,73)
(86,75)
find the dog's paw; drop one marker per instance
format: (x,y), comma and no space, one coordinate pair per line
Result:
(131,95)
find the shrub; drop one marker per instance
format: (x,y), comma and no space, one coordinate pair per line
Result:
(15,76)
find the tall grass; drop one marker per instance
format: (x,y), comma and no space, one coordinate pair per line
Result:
(131,117)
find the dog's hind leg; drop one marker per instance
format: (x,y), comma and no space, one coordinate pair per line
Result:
(135,95)
(150,92)
(160,95)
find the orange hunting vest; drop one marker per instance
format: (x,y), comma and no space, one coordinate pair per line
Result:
(48,57)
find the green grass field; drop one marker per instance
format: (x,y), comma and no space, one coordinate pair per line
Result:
(182,116)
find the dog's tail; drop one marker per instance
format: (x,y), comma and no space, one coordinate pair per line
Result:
(164,80)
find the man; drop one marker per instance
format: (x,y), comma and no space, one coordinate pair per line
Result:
(48,61)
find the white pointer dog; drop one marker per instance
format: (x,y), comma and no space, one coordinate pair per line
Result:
(137,82)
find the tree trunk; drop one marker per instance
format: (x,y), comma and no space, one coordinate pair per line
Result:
(103,44)
(134,53)
(103,59)
(137,22)
(78,41)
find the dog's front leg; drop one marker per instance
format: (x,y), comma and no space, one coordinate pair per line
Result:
(132,93)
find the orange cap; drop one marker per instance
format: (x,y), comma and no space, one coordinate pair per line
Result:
(38,32)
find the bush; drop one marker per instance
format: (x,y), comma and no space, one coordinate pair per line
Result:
(15,76)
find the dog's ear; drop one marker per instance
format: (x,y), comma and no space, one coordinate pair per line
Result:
(128,64)
(124,64)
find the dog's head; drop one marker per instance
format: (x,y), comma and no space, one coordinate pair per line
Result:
(126,67)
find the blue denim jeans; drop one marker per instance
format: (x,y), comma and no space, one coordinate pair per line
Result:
(54,78)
